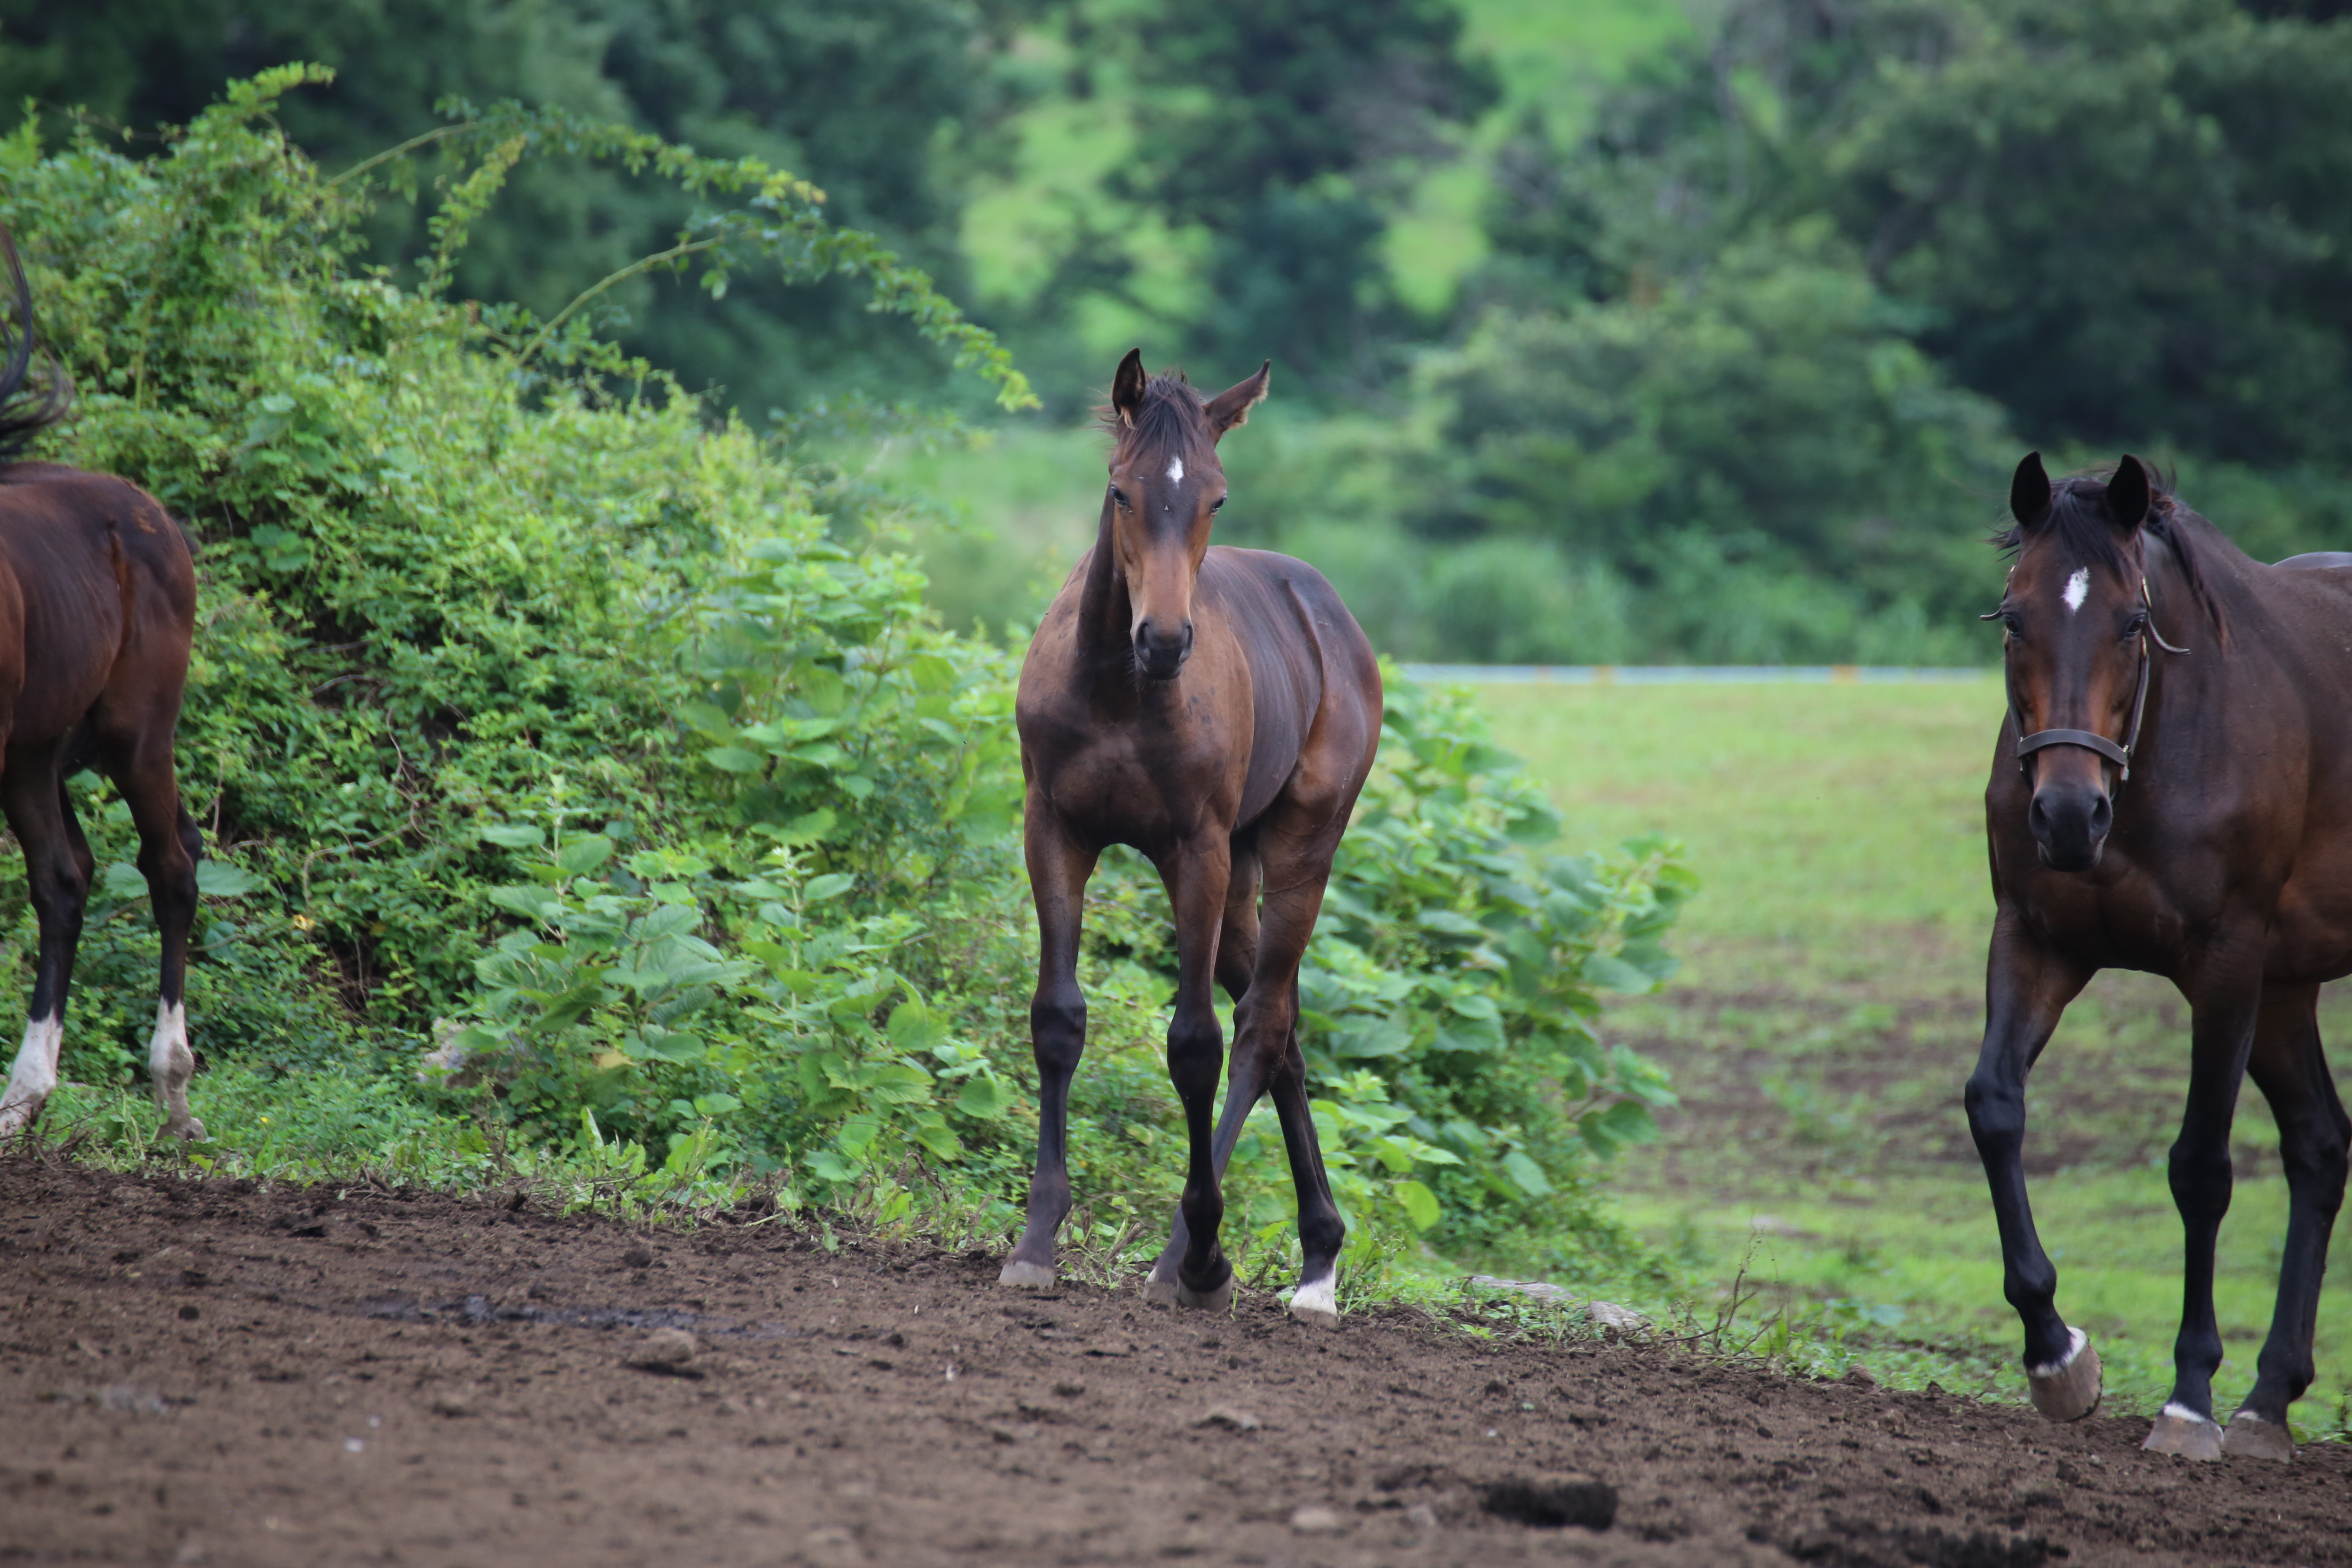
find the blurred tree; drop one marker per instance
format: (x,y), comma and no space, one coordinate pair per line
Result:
(1288,128)
(880,102)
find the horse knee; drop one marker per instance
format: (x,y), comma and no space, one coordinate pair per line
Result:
(1196,1045)
(1057,1028)
(1996,1112)
(2198,1174)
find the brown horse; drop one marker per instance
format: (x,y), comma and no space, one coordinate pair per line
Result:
(98,603)
(1217,710)
(2184,809)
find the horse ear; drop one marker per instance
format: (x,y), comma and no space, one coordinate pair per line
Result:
(2128,494)
(1232,405)
(1126,388)
(2029,491)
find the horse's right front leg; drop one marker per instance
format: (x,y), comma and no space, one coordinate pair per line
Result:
(1059,868)
(2027,986)
(1197,876)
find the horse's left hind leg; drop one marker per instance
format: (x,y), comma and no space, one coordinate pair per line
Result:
(142,768)
(2288,1066)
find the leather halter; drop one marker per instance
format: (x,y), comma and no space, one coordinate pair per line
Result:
(2090,740)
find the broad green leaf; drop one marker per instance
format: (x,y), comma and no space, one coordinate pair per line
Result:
(831,885)
(123,880)
(734,760)
(1527,1174)
(584,854)
(915,1027)
(984,1098)
(514,835)
(1420,1204)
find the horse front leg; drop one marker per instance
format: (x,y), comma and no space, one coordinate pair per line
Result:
(2224,999)
(1197,875)
(2027,987)
(1059,865)
(2289,1067)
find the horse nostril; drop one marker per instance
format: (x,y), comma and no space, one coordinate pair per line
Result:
(2037,817)
(2102,814)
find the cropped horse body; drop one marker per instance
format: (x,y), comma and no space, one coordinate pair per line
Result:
(2189,814)
(1217,710)
(97,600)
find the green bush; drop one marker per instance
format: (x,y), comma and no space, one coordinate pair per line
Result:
(589,789)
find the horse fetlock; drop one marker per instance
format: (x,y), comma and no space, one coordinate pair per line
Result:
(2252,1437)
(2183,1431)
(2069,1388)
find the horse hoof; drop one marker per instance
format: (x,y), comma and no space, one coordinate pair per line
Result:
(2069,1388)
(1160,1292)
(2252,1437)
(1220,1299)
(191,1131)
(1318,1304)
(1026,1276)
(2181,1430)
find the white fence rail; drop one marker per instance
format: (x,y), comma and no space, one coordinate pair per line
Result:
(1688,674)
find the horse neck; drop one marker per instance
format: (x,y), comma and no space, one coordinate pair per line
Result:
(1103,612)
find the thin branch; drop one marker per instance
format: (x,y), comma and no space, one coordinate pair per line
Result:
(642,264)
(441,133)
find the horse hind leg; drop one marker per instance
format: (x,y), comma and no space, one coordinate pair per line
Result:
(58,881)
(141,764)
(2290,1068)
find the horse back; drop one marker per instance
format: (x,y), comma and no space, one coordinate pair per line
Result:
(98,576)
(1308,662)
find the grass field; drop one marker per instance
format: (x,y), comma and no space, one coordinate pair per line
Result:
(1828,1011)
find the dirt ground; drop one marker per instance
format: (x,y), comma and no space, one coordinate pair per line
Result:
(209,1372)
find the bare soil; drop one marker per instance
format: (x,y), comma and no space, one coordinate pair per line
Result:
(210,1372)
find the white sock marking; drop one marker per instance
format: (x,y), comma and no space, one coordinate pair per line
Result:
(2075,1340)
(1175,470)
(1322,1296)
(33,1078)
(2078,588)
(2181,1412)
(170,1063)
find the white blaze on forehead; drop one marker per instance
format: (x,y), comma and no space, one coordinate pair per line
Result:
(2078,588)
(1175,470)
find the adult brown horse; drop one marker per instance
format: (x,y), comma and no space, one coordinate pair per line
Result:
(2184,807)
(97,603)
(1217,710)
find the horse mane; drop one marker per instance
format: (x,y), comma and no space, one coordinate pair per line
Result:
(28,404)
(1170,422)
(2078,519)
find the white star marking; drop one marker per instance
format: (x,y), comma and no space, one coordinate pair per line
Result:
(2078,588)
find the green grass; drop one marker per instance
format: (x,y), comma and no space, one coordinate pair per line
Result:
(1829,1012)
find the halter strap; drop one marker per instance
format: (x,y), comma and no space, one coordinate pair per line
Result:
(2121,755)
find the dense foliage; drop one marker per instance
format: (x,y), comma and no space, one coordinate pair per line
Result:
(578,762)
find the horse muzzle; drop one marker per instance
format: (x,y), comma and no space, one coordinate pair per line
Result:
(2070,821)
(1161,651)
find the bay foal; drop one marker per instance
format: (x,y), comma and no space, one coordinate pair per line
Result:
(2185,810)
(98,603)
(1217,710)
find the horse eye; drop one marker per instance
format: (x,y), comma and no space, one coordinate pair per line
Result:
(1119,495)
(1218,504)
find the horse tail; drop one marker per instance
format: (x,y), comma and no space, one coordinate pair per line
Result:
(30,401)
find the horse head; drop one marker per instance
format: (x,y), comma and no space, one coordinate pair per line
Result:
(2076,615)
(1165,485)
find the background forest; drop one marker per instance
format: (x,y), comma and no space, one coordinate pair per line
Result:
(1610,332)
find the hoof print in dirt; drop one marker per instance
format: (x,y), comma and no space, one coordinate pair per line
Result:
(639,1258)
(669,1351)
(1553,1504)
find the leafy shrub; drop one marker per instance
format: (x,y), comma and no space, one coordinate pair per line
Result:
(585,797)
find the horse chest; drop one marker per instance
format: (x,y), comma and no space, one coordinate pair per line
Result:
(1135,784)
